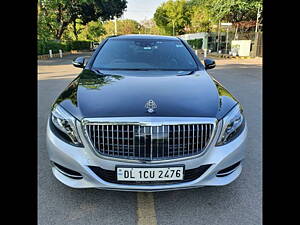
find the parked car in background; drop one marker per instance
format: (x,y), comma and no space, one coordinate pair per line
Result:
(144,115)
(94,46)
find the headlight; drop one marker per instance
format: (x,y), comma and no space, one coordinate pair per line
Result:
(233,125)
(66,123)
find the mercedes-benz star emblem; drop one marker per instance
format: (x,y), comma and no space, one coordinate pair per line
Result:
(150,106)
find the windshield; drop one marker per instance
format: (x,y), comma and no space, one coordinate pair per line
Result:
(144,54)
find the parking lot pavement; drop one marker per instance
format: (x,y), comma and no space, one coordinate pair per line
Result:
(237,203)
(241,201)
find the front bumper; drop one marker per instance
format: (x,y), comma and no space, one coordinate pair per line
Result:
(79,160)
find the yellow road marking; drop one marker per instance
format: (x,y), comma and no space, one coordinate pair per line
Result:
(145,209)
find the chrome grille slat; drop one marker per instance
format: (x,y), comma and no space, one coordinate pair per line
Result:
(197,136)
(179,140)
(144,146)
(202,137)
(94,135)
(128,132)
(133,141)
(98,136)
(157,141)
(139,141)
(173,147)
(107,136)
(163,144)
(168,141)
(193,146)
(103,142)
(113,141)
(118,148)
(123,140)
(151,146)
(183,146)
(205,133)
(144,142)
(188,139)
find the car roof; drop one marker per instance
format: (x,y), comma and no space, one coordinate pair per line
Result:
(144,36)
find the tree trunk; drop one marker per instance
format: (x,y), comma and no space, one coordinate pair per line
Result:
(75,30)
(61,30)
(236,30)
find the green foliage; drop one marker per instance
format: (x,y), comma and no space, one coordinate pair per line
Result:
(200,15)
(200,19)
(44,46)
(128,26)
(150,27)
(109,28)
(235,10)
(92,31)
(78,45)
(123,27)
(173,13)
(73,31)
(70,20)
(55,16)
(195,43)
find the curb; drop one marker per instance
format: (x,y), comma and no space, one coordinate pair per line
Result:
(56,55)
(243,57)
(226,56)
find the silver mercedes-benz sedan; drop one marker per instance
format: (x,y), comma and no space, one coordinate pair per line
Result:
(144,115)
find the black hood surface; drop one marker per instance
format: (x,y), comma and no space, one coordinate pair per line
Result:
(125,94)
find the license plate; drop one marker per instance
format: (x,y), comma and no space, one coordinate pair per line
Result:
(150,174)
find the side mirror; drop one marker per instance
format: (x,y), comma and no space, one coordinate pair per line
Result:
(209,64)
(79,62)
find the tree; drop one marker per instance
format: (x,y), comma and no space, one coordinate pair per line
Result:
(150,27)
(101,10)
(93,31)
(173,15)
(200,19)
(206,13)
(57,15)
(235,10)
(74,30)
(127,26)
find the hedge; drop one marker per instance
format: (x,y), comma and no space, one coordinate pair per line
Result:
(196,43)
(44,46)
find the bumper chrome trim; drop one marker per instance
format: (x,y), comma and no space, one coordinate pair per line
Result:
(64,173)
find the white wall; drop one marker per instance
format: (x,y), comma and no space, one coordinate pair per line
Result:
(244,47)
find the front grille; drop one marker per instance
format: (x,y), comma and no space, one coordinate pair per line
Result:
(138,142)
(111,176)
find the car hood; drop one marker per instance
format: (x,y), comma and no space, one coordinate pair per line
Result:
(125,94)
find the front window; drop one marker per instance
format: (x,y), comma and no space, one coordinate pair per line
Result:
(144,54)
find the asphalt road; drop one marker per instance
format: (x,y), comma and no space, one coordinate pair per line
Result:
(239,203)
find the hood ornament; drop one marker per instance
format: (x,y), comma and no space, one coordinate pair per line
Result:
(150,106)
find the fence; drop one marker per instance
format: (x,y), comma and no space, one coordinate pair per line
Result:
(257,49)
(215,45)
